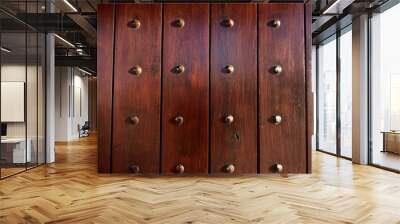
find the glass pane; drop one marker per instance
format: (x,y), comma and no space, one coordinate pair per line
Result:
(41,97)
(327,97)
(31,88)
(31,97)
(346,94)
(13,88)
(385,84)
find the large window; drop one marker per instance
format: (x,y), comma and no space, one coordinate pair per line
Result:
(385,89)
(334,94)
(346,93)
(326,87)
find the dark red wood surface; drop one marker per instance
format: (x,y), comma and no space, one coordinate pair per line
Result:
(186,94)
(105,40)
(137,95)
(282,94)
(234,94)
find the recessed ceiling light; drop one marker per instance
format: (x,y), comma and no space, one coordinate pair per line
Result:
(70,5)
(64,40)
(84,71)
(5,50)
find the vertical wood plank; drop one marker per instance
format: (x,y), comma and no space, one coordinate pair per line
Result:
(186,94)
(234,93)
(105,53)
(282,94)
(136,143)
(309,91)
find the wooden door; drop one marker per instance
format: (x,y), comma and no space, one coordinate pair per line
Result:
(233,88)
(185,88)
(137,88)
(282,117)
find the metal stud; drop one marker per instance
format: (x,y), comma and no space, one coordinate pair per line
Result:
(180,168)
(136,70)
(133,120)
(276,23)
(228,22)
(276,119)
(135,24)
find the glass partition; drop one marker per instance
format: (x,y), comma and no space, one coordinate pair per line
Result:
(22,62)
(326,87)
(385,89)
(14,153)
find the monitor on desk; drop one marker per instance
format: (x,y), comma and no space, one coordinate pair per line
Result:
(3,130)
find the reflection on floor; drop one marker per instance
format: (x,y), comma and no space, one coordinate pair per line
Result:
(386,159)
(12,169)
(71,191)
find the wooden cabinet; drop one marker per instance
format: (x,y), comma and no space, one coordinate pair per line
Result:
(199,88)
(233,88)
(282,87)
(137,86)
(185,88)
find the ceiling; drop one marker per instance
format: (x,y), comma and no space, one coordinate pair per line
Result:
(74,21)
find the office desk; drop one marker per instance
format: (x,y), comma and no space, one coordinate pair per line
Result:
(13,150)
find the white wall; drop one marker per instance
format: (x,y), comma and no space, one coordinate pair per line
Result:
(71,102)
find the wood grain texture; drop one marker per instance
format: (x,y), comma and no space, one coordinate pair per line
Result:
(105,54)
(234,94)
(137,95)
(71,191)
(282,94)
(309,90)
(186,94)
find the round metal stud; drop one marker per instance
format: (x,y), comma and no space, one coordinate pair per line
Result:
(228,22)
(179,120)
(276,23)
(135,24)
(136,70)
(179,69)
(279,168)
(134,120)
(180,168)
(134,168)
(276,119)
(180,23)
(229,69)
(230,168)
(229,119)
(277,69)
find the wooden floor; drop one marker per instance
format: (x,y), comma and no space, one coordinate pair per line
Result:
(70,191)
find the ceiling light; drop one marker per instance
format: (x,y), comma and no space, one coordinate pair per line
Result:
(5,50)
(70,5)
(65,41)
(84,71)
(337,7)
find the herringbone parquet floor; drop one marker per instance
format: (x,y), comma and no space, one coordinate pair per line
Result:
(70,191)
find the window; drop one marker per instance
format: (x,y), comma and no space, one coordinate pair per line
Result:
(346,93)
(385,89)
(326,87)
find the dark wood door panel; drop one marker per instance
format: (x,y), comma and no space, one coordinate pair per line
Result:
(233,93)
(282,43)
(185,94)
(137,88)
(105,50)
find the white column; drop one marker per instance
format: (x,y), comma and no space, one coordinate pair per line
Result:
(360,90)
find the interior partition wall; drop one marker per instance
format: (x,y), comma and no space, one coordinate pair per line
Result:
(334,94)
(22,61)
